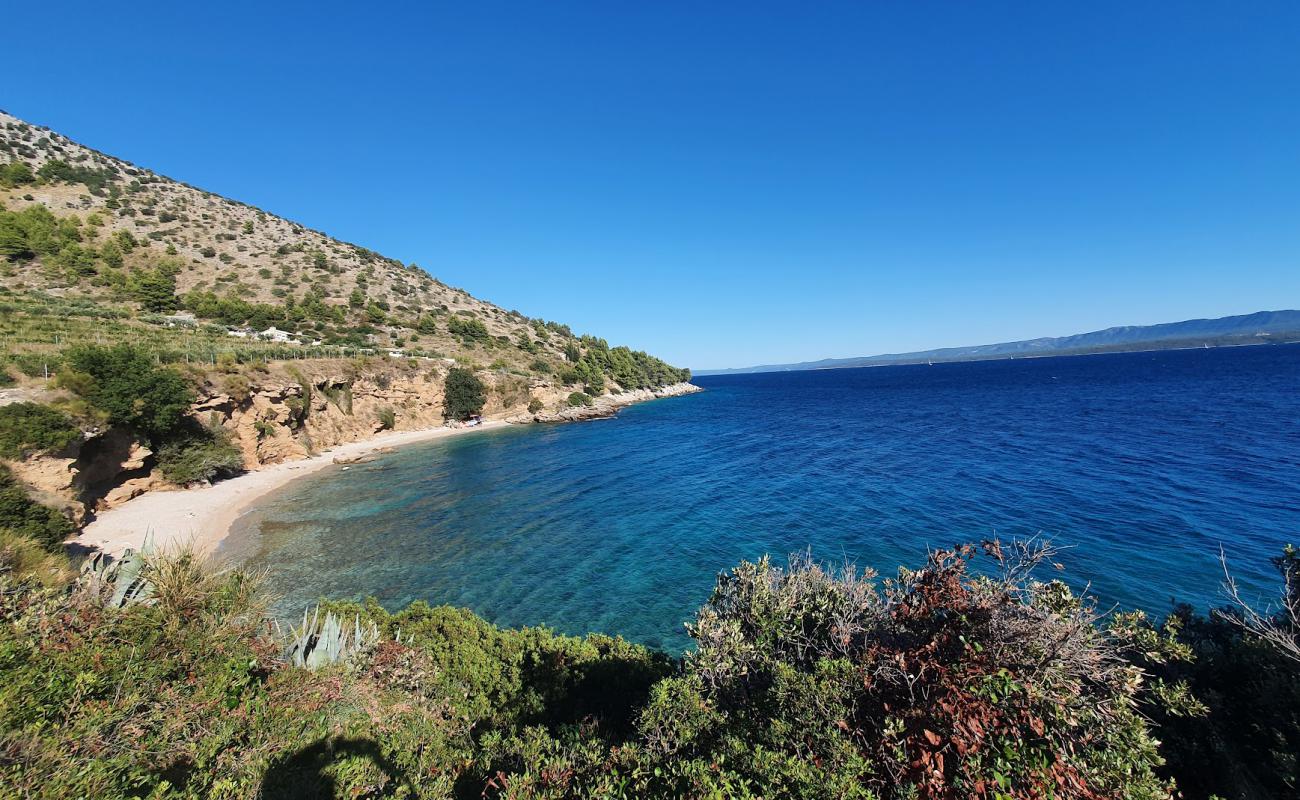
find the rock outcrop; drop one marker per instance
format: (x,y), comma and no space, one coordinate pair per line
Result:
(603,406)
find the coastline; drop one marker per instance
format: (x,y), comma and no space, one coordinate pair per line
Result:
(202,517)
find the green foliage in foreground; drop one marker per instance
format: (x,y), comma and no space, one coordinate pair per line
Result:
(463,394)
(1248,744)
(22,516)
(27,428)
(189,696)
(805,683)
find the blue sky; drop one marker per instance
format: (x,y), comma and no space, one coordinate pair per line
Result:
(730,184)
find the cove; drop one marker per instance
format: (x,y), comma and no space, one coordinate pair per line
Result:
(1143,464)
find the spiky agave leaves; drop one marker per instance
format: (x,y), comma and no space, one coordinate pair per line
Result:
(124,575)
(322,641)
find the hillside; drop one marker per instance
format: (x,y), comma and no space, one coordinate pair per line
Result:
(1258,328)
(154,335)
(80,228)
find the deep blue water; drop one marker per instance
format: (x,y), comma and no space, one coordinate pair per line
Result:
(1143,463)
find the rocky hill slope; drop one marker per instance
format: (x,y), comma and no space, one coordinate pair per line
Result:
(79,224)
(287,340)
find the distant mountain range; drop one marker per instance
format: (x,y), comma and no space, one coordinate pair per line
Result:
(1258,328)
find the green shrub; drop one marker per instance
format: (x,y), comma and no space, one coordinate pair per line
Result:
(124,383)
(197,672)
(25,517)
(387,418)
(811,683)
(467,329)
(56,170)
(16,173)
(463,394)
(199,454)
(805,683)
(27,428)
(1247,743)
(534,405)
(567,376)
(154,288)
(579,399)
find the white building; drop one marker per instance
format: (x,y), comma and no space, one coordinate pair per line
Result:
(274,334)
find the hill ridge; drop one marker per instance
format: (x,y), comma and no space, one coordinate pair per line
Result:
(1217,331)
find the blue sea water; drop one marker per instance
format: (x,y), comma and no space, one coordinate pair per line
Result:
(1144,464)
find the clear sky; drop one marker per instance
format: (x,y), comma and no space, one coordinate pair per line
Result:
(729,184)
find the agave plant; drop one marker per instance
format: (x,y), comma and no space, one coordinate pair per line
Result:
(327,640)
(124,575)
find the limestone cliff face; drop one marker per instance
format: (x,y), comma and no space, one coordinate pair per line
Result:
(294,410)
(105,468)
(299,410)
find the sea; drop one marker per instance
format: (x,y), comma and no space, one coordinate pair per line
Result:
(1142,467)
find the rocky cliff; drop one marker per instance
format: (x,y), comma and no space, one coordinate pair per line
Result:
(292,410)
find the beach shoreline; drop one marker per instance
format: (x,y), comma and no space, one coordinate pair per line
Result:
(202,518)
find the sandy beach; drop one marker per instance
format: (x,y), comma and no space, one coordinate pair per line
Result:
(202,517)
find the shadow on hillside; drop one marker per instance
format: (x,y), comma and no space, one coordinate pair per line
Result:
(304,775)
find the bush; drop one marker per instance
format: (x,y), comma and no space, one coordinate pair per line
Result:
(24,516)
(567,376)
(387,418)
(534,405)
(1247,744)
(16,173)
(806,683)
(57,170)
(123,382)
(200,454)
(579,399)
(463,394)
(154,288)
(196,671)
(27,428)
(811,683)
(468,330)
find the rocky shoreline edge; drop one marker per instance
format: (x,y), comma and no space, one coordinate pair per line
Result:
(605,406)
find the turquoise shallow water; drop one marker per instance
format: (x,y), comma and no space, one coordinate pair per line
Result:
(1142,463)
